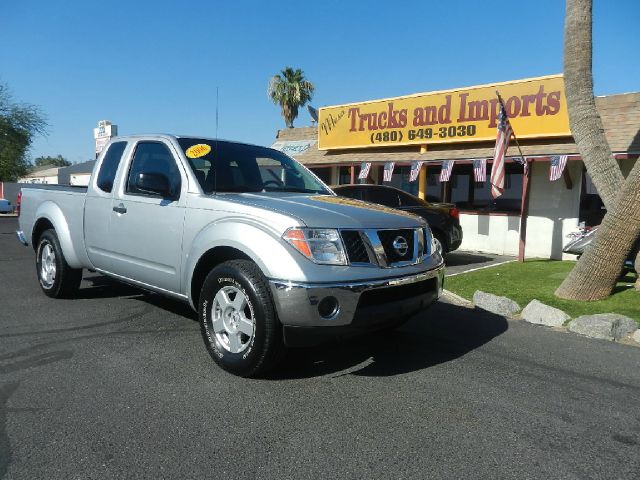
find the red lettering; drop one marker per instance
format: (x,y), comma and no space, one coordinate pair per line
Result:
(512,106)
(444,112)
(526,100)
(418,118)
(463,107)
(540,108)
(382,116)
(553,101)
(494,109)
(354,112)
(373,121)
(402,118)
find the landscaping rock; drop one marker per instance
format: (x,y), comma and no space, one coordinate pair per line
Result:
(499,305)
(608,326)
(541,314)
(636,336)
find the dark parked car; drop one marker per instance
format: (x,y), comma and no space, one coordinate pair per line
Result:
(443,218)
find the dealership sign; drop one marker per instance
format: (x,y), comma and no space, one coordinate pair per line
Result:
(537,107)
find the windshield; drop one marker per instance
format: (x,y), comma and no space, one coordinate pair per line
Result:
(231,167)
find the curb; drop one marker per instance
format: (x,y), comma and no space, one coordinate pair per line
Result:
(458,300)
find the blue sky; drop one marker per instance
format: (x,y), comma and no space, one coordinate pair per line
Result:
(153,66)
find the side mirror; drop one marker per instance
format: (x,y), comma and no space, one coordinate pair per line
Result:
(154,184)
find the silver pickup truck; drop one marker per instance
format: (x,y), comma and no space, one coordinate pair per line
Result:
(265,252)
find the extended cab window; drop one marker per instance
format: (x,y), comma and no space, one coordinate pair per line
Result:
(109,166)
(153,158)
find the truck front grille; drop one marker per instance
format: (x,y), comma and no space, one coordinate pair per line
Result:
(384,248)
(356,250)
(402,238)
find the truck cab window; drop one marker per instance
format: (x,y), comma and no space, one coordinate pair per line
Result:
(153,157)
(109,167)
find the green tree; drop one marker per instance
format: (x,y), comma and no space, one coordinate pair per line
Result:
(58,161)
(290,90)
(19,124)
(594,276)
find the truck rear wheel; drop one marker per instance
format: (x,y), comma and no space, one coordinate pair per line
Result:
(57,279)
(238,321)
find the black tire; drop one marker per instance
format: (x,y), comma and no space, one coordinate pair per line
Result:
(265,347)
(65,280)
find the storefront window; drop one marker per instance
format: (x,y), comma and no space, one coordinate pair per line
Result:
(345,176)
(400,179)
(323,173)
(476,196)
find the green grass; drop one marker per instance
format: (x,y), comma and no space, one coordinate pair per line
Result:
(538,279)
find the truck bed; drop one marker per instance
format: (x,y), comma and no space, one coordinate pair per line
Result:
(60,204)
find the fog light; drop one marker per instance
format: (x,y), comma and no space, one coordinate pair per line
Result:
(328,307)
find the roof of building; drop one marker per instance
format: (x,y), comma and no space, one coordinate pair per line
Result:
(64,174)
(43,171)
(620,117)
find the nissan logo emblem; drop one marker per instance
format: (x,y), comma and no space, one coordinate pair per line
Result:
(400,245)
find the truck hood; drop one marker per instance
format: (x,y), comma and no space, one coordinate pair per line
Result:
(328,211)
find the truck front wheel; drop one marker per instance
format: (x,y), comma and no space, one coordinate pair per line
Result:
(57,279)
(238,321)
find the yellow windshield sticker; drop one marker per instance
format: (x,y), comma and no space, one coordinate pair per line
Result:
(197,151)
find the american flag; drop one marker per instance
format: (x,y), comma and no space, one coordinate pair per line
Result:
(556,166)
(388,171)
(480,170)
(415,171)
(445,173)
(364,170)
(502,143)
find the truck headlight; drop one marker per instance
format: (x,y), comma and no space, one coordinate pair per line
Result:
(320,245)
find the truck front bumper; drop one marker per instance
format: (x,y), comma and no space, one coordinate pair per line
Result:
(362,305)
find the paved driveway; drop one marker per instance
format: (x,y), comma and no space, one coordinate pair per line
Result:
(117,384)
(460,261)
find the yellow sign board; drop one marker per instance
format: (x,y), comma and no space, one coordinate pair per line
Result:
(537,107)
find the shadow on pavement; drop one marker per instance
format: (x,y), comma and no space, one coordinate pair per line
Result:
(454,259)
(102,286)
(442,333)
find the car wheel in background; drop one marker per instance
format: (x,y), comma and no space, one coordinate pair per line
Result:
(57,279)
(238,320)
(439,241)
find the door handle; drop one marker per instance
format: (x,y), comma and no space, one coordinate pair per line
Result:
(120,209)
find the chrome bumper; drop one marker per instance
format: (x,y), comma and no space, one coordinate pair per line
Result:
(297,303)
(21,238)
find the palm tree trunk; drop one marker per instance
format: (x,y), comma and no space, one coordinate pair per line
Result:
(586,124)
(594,276)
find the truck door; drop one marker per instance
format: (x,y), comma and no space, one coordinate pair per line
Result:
(147,223)
(97,207)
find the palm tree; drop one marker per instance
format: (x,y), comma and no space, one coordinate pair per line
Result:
(291,91)
(594,276)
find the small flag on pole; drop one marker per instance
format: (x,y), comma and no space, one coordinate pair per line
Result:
(556,166)
(502,143)
(415,171)
(445,173)
(364,170)
(480,170)
(388,171)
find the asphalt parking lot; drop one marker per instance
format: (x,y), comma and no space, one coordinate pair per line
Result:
(117,384)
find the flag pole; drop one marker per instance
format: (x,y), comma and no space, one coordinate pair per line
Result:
(526,186)
(513,132)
